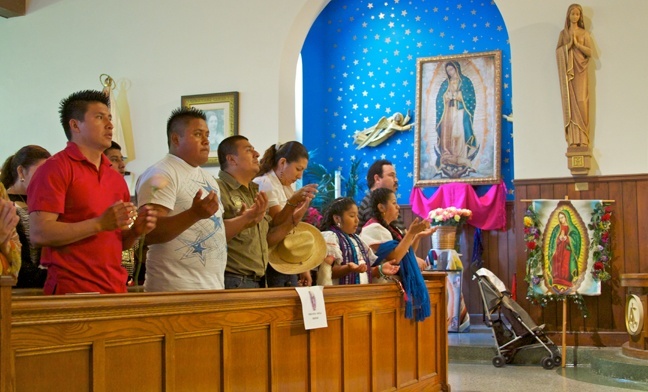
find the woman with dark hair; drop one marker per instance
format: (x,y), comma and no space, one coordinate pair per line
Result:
(349,260)
(390,242)
(17,172)
(281,166)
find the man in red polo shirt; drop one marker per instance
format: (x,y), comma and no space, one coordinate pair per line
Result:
(79,207)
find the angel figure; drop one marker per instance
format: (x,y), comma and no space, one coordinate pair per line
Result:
(385,127)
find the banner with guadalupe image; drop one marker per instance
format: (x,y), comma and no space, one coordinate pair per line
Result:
(567,246)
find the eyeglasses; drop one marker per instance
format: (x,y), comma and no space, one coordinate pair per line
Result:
(115,159)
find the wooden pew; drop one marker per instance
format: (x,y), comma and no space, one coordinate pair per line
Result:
(233,340)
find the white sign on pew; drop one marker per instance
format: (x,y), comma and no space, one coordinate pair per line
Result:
(313,307)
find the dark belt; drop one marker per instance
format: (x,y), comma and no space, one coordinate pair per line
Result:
(252,278)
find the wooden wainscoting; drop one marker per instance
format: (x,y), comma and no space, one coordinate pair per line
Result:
(230,340)
(499,250)
(504,254)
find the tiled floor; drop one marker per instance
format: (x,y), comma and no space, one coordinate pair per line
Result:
(482,376)
(471,377)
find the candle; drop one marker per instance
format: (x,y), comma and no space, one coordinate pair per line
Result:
(338,185)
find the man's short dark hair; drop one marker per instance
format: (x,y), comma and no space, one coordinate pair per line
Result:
(76,105)
(228,147)
(179,118)
(113,146)
(376,168)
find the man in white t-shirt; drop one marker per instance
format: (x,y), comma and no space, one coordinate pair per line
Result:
(188,248)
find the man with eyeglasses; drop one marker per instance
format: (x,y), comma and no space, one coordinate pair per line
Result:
(117,160)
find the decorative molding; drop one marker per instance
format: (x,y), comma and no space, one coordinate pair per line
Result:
(569,180)
(12,8)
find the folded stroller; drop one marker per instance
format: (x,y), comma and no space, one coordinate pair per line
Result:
(521,333)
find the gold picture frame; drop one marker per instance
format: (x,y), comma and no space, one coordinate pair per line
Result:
(458,119)
(221,110)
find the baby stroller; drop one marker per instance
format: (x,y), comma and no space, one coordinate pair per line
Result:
(522,333)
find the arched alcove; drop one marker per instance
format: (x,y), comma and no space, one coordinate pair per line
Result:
(359,65)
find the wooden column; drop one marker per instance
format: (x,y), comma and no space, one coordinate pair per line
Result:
(6,358)
(12,8)
(637,285)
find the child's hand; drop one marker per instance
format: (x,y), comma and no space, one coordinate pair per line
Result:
(421,263)
(390,269)
(329,259)
(353,267)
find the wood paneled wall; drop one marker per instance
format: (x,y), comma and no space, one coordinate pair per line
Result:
(229,340)
(504,254)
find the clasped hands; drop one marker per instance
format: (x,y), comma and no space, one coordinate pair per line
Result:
(8,220)
(304,195)
(125,216)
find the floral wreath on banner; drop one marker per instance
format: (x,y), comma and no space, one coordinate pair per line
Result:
(600,244)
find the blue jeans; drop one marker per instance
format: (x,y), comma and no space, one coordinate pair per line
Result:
(277,279)
(234,281)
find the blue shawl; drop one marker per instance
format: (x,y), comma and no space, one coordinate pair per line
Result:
(412,280)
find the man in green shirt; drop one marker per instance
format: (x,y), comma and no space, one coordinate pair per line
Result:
(249,230)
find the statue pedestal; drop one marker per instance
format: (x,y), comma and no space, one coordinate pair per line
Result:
(579,160)
(636,308)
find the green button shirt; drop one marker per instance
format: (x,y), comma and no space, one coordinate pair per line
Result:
(247,252)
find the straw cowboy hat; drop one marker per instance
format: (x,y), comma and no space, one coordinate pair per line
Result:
(302,250)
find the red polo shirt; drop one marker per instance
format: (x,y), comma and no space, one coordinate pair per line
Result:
(71,186)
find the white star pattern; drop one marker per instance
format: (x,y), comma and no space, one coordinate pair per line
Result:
(384,54)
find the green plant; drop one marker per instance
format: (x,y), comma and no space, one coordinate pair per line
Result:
(316,173)
(352,183)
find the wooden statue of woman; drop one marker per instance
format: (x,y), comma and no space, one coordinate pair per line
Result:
(573,53)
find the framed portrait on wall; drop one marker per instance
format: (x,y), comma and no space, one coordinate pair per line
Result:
(458,119)
(221,110)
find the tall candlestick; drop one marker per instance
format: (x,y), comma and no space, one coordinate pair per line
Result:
(338,184)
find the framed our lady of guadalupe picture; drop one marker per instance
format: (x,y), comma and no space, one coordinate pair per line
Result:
(221,110)
(458,119)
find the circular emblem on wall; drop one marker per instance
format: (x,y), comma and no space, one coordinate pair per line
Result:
(634,316)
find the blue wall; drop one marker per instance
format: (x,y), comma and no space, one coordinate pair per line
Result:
(359,64)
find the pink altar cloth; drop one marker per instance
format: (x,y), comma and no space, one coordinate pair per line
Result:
(489,210)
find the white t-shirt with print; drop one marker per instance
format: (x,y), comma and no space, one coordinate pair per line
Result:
(195,259)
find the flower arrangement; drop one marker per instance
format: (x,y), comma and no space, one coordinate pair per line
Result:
(533,247)
(450,216)
(313,217)
(600,243)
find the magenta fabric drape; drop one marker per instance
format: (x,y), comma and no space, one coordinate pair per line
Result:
(489,210)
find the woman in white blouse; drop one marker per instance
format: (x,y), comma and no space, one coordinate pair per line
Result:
(387,241)
(281,166)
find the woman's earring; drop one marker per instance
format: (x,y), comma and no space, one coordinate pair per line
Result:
(22,179)
(338,224)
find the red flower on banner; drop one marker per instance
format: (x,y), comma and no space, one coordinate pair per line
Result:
(600,243)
